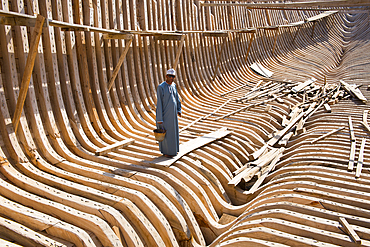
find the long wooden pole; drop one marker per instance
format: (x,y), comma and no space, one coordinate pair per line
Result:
(179,49)
(219,59)
(335,3)
(249,46)
(118,66)
(35,39)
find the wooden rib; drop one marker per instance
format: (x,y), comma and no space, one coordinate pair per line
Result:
(68,115)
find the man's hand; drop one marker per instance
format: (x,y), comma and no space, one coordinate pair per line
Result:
(179,114)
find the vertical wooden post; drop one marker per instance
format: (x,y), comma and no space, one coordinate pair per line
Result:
(249,46)
(218,59)
(120,61)
(179,49)
(35,39)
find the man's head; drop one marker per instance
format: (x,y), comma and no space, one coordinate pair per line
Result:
(170,76)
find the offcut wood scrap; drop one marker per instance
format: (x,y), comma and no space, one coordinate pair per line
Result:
(249,170)
(353,90)
(364,120)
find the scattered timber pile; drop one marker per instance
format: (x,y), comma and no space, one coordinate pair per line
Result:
(274,131)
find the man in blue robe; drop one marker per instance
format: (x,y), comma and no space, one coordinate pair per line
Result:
(168,108)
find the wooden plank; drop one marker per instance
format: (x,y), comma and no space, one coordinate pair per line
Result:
(216,34)
(233,90)
(259,181)
(207,116)
(351,131)
(189,146)
(281,133)
(204,117)
(117,36)
(360,160)
(35,39)
(114,146)
(352,156)
(326,135)
(120,61)
(364,120)
(258,68)
(352,90)
(301,86)
(285,139)
(349,230)
(167,37)
(248,173)
(327,107)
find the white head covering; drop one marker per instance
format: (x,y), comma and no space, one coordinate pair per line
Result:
(171,72)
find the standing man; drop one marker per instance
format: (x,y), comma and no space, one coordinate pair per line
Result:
(168,108)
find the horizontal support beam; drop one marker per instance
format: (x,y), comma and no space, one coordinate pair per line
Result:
(320,4)
(216,34)
(168,37)
(117,36)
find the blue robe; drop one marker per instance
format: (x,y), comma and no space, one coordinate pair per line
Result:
(168,105)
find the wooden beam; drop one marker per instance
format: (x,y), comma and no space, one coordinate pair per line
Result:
(326,135)
(233,90)
(360,160)
(349,230)
(167,37)
(35,39)
(216,34)
(114,146)
(120,61)
(364,120)
(352,156)
(281,133)
(351,131)
(249,46)
(259,181)
(219,59)
(301,86)
(301,4)
(117,36)
(189,146)
(179,50)
(353,91)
